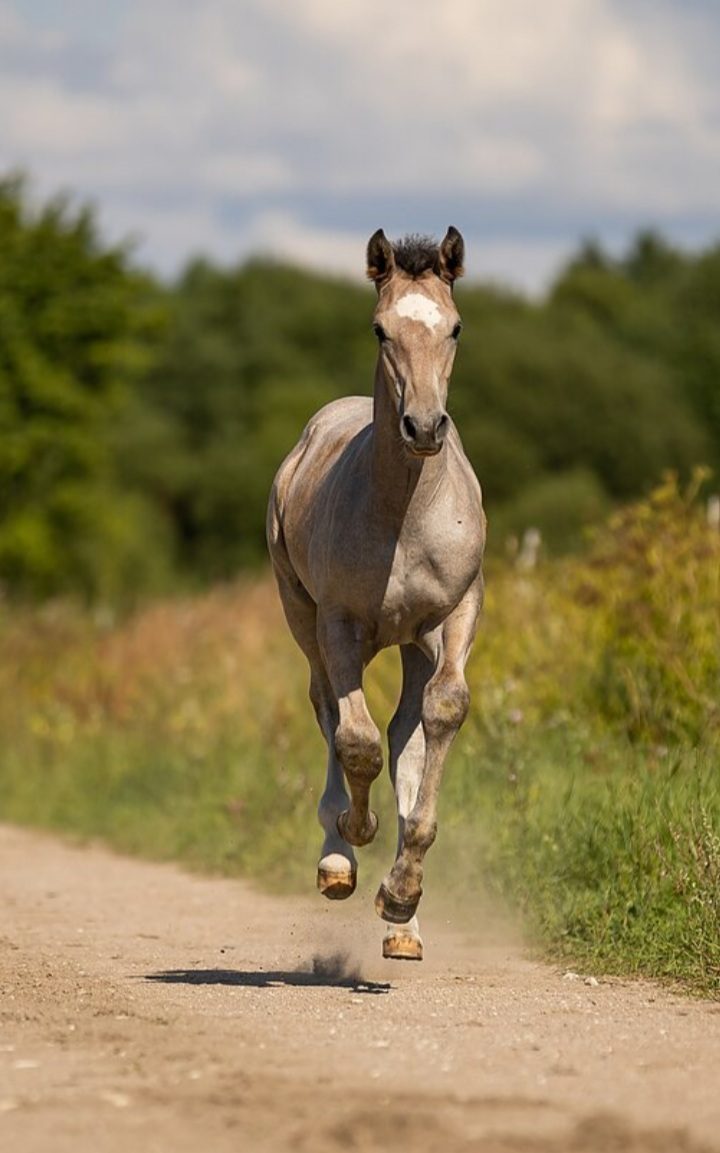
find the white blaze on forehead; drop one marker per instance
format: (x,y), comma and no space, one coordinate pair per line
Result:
(415,306)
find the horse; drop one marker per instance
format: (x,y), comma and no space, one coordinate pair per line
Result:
(376,534)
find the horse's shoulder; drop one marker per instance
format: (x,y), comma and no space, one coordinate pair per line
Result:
(322,439)
(349,412)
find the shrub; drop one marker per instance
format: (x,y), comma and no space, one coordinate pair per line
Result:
(653,585)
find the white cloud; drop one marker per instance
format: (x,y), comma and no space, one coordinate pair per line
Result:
(280,235)
(55,124)
(232,125)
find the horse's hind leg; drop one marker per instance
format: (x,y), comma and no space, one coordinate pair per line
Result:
(407,759)
(337,869)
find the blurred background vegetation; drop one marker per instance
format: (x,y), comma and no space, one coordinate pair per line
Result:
(140,427)
(141,423)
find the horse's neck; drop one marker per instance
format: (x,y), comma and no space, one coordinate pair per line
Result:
(402,485)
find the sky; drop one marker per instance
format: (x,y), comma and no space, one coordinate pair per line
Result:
(241,127)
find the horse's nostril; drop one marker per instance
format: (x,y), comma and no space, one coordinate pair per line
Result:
(442,426)
(409,427)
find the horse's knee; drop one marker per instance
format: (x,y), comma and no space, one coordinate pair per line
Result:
(357,744)
(445,705)
(419,834)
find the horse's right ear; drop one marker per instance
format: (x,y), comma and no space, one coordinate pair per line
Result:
(380,258)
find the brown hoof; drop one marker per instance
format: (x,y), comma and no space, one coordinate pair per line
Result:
(402,947)
(365,837)
(336,884)
(392,908)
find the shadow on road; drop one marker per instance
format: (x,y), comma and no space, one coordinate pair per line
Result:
(269,979)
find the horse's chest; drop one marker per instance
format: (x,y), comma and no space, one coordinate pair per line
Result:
(395,585)
(421,587)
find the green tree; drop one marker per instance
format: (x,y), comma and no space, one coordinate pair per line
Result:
(75,324)
(140,426)
(250,354)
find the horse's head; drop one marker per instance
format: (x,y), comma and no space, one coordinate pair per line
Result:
(417,325)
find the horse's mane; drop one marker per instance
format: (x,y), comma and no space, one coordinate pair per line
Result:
(416,254)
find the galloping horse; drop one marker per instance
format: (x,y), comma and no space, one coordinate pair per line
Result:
(376,533)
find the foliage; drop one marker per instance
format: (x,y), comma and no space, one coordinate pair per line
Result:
(654,574)
(249,355)
(74,326)
(611,855)
(633,626)
(185,731)
(559,416)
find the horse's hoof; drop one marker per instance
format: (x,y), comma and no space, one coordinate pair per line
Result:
(392,908)
(336,881)
(358,839)
(402,947)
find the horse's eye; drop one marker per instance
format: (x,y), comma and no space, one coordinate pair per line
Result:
(456,331)
(380,333)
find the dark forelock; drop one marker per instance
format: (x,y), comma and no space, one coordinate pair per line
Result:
(416,254)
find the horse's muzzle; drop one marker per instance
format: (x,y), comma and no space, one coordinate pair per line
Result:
(426,437)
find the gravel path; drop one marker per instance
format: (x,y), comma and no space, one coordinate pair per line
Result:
(145,1009)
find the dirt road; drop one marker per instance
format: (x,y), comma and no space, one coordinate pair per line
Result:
(145,1009)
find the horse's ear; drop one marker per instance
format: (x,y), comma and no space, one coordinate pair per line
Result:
(380,258)
(451,256)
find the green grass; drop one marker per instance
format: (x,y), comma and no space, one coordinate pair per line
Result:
(611,855)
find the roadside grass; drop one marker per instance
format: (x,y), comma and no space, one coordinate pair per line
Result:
(611,856)
(584,790)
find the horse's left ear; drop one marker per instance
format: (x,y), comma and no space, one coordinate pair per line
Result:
(451,256)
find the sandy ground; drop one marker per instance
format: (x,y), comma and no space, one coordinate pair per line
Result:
(145,1009)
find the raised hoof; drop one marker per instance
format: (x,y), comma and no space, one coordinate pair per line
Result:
(365,837)
(336,884)
(402,947)
(392,909)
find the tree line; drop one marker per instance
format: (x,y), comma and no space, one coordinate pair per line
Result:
(141,422)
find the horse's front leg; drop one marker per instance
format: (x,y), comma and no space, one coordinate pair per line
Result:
(346,650)
(445,703)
